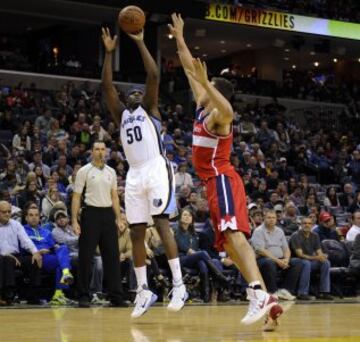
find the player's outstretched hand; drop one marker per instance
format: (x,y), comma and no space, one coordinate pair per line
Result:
(177,26)
(199,73)
(138,37)
(109,42)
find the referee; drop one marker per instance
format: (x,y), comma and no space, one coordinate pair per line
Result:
(99,221)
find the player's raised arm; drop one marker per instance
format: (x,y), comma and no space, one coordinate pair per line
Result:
(151,96)
(224,113)
(177,30)
(115,106)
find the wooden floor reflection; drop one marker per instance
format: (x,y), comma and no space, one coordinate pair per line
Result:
(314,322)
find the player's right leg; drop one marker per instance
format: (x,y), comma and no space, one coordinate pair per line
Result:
(227,204)
(137,214)
(144,297)
(240,251)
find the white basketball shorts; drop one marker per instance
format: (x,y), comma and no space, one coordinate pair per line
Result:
(149,191)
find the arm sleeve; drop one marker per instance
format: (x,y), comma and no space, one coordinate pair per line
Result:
(25,241)
(62,237)
(80,180)
(50,240)
(183,246)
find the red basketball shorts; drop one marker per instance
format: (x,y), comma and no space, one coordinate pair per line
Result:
(227,205)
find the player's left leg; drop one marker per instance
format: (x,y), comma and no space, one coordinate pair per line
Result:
(178,294)
(243,256)
(162,203)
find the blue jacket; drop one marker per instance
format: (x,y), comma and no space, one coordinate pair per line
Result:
(326,233)
(41,237)
(185,240)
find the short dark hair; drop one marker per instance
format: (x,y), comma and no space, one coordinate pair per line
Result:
(97,142)
(224,86)
(30,205)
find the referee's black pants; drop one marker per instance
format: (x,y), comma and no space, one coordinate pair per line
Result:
(98,227)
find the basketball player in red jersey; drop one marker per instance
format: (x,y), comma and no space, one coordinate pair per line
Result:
(212,142)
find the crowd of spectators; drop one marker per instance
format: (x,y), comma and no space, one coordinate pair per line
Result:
(290,173)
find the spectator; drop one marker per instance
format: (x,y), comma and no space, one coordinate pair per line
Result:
(64,235)
(156,253)
(355,228)
(355,255)
(297,197)
(10,177)
(12,238)
(125,250)
(289,222)
(191,256)
(37,161)
(327,227)
(56,131)
(182,196)
(182,177)
(274,199)
(62,162)
(331,200)
(274,255)
(284,172)
(16,212)
(354,169)
(356,204)
(256,219)
(55,257)
(347,197)
(21,140)
(310,201)
(49,201)
(29,194)
(167,139)
(306,246)
(43,121)
(40,180)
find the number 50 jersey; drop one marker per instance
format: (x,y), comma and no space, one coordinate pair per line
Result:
(140,137)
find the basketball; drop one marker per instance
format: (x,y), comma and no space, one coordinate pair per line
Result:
(131,19)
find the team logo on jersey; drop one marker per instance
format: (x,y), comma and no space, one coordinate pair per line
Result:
(157,202)
(228,222)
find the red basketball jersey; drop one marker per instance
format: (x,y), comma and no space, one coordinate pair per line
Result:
(210,153)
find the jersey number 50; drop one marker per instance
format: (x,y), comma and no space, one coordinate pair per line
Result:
(133,133)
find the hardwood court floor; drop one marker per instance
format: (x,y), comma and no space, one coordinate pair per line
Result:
(310,322)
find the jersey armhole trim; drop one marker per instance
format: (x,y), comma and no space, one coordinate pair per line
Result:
(217,135)
(154,117)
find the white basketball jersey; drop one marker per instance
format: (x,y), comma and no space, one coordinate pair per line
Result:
(140,136)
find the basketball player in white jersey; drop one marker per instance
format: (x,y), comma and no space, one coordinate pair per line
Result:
(150,186)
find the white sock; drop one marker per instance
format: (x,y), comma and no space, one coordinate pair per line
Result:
(176,271)
(255,284)
(141,276)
